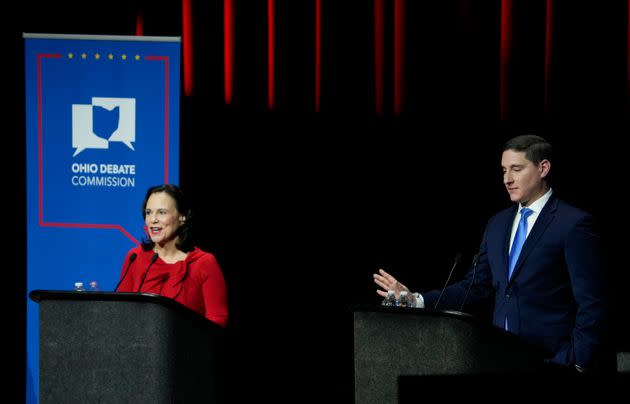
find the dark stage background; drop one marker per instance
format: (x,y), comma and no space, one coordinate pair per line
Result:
(301,207)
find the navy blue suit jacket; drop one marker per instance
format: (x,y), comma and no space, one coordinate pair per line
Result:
(556,296)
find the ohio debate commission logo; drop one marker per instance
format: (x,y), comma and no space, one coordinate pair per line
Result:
(94,126)
(103,121)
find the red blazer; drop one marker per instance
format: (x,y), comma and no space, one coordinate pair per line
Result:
(196,282)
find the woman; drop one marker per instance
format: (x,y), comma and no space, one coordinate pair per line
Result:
(169,264)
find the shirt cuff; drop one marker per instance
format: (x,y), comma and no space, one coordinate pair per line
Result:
(419,300)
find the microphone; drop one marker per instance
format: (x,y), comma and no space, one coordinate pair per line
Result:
(132,258)
(472,281)
(153,259)
(457,258)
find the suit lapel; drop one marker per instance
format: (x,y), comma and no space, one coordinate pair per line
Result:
(545,217)
(505,256)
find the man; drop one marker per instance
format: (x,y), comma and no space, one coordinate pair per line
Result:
(540,259)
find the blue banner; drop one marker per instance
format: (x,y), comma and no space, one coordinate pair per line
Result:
(102,125)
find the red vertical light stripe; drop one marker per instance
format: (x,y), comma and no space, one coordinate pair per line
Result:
(318,52)
(270,53)
(379,50)
(464,14)
(228,50)
(139,24)
(548,42)
(187,33)
(464,8)
(399,55)
(506,42)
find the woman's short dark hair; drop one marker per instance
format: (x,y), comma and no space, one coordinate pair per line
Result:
(184,232)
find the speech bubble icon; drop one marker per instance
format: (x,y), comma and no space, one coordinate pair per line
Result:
(82,135)
(126,131)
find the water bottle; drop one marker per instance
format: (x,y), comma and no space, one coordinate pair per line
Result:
(390,299)
(404,299)
(78,287)
(93,286)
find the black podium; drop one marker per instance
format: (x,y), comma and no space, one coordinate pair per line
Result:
(409,355)
(110,347)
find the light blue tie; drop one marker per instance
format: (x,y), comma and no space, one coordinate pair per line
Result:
(517,244)
(519,239)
